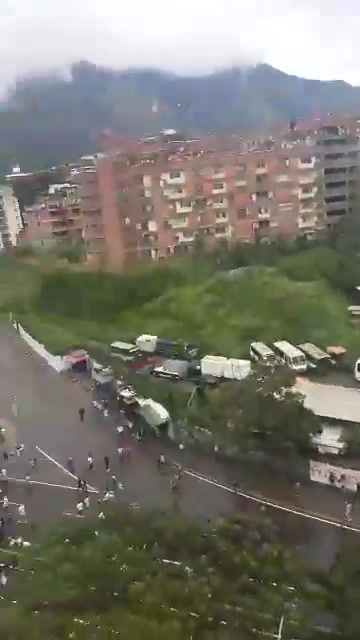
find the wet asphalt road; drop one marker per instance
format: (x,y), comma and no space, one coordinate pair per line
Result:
(48,418)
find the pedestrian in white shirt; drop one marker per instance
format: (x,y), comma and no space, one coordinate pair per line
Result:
(87,502)
(21,510)
(80,508)
(120,429)
(90,462)
(5,502)
(101,515)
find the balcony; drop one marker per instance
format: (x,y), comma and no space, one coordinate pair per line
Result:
(344,162)
(183,208)
(307,195)
(307,163)
(223,232)
(219,187)
(178,223)
(240,183)
(184,238)
(174,194)
(173,178)
(261,170)
(308,178)
(220,204)
(307,222)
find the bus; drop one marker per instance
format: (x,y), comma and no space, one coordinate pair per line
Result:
(291,356)
(260,352)
(124,350)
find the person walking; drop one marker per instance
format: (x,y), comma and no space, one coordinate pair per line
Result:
(21,511)
(70,465)
(161,462)
(84,486)
(107,463)
(5,456)
(5,502)
(87,502)
(82,414)
(79,483)
(114,482)
(80,508)
(91,462)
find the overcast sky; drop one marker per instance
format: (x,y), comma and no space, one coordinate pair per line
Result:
(312,38)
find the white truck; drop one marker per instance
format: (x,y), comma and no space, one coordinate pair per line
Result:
(228,368)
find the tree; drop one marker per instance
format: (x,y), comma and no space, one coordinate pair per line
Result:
(343,590)
(263,412)
(157,577)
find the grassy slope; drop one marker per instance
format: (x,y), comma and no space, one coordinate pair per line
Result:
(223,315)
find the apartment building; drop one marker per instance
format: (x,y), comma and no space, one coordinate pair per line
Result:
(56,218)
(338,153)
(151,200)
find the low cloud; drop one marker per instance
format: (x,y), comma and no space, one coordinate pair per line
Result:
(317,38)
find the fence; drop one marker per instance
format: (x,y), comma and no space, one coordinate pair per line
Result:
(56,362)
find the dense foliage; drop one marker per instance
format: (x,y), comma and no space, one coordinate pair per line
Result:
(158,577)
(262,413)
(276,292)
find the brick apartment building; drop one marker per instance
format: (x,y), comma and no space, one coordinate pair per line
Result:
(57,217)
(151,198)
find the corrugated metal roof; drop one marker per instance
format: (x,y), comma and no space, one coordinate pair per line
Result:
(331,401)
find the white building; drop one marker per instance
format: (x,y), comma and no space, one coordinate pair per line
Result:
(11,221)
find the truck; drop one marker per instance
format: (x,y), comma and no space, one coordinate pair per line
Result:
(167,348)
(227,368)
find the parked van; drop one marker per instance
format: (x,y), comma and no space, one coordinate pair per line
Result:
(357,370)
(291,356)
(316,358)
(260,352)
(123,350)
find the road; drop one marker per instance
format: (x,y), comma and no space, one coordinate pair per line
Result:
(48,425)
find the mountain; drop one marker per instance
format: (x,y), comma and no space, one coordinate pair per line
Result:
(50,120)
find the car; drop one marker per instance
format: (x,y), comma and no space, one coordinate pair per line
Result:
(163,372)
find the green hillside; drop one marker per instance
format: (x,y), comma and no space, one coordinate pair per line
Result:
(66,308)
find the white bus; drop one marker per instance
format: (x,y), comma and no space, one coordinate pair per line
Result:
(260,352)
(291,356)
(124,350)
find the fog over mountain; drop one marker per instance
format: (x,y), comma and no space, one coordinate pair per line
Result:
(312,38)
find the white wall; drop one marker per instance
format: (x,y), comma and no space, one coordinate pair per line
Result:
(56,362)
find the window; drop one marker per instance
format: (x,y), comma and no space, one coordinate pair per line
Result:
(218,185)
(241,213)
(174,175)
(307,189)
(261,165)
(306,160)
(219,200)
(179,190)
(221,215)
(221,229)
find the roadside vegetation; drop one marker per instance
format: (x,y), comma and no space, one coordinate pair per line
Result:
(159,576)
(277,292)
